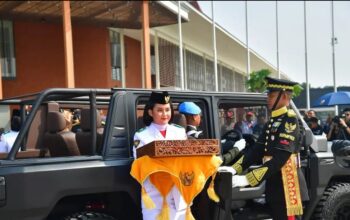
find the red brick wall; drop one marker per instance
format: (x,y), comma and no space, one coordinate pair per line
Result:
(91,56)
(39,58)
(39,50)
(133,66)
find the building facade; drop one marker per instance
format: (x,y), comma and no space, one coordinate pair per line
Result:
(108,47)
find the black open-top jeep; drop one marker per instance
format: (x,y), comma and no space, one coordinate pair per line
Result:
(52,172)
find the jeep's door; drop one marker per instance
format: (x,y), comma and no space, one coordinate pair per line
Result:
(240,116)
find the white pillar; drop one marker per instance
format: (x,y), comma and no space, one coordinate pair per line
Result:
(214,48)
(278,56)
(205,72)
(306,66)
(333,55)
(180,46)
(156,54)
(122,59)
(247,39)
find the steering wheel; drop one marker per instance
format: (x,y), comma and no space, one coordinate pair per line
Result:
(250,140)
(232,135)
(230,138)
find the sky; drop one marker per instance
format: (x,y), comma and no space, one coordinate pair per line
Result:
(291,38)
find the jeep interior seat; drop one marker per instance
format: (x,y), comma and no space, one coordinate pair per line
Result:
(83,137)
(59,142)
(180,119)
(139,123)
(38,128)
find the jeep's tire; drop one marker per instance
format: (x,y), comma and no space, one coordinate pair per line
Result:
(335,203)
(89,216)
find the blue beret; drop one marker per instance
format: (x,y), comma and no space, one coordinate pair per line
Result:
(189,108)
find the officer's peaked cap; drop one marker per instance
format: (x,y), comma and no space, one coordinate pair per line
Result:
(273,84)
(160,97)
(189,108)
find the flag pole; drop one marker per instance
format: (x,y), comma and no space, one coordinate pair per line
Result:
(247,39)
(182,78)
(334,41)
(306,66)
(278,59)
(214,48)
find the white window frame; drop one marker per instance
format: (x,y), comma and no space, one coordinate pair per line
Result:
(7,52)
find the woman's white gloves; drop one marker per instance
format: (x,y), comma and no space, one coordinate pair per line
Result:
(228,169)
(239,181)
(240,144)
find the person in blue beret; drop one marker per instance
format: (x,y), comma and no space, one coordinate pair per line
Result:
(192,113)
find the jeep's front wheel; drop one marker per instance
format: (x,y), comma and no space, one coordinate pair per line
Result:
(335,203)
(89,216)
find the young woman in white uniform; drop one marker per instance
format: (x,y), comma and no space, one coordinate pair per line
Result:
(157,117)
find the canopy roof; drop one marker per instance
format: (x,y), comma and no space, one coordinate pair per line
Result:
(121,14)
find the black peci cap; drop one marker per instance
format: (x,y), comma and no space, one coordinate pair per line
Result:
(160,97)
(273,84)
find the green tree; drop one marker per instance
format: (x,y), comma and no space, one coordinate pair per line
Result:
(297,89)
(256,81)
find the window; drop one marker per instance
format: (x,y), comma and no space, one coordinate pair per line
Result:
(195,71)
(247,119)
(209,75)
(169,64)
(227,79)
(239,82)
(8,59)
(46,137)
(114,38)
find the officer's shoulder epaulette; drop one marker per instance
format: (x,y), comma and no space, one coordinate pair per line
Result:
(291,113)
(176,125)
(140,130)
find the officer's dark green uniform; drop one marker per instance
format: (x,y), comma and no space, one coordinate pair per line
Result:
(279,140)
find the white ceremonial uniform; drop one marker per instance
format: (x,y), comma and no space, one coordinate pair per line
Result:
(176,202)
(3,146)
(9,139)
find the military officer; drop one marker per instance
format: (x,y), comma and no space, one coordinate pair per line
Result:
(157,117)
(192,113)
(278,146)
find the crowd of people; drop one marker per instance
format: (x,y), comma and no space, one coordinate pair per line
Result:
(248,122)
(336,128)
(7,138)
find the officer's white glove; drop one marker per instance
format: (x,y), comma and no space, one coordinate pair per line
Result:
(228,169)
(239,181)
(240,144)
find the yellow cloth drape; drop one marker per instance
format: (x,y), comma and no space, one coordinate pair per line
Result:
(189,174)
(291,187)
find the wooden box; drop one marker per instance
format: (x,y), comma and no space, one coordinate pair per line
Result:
(172,148)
